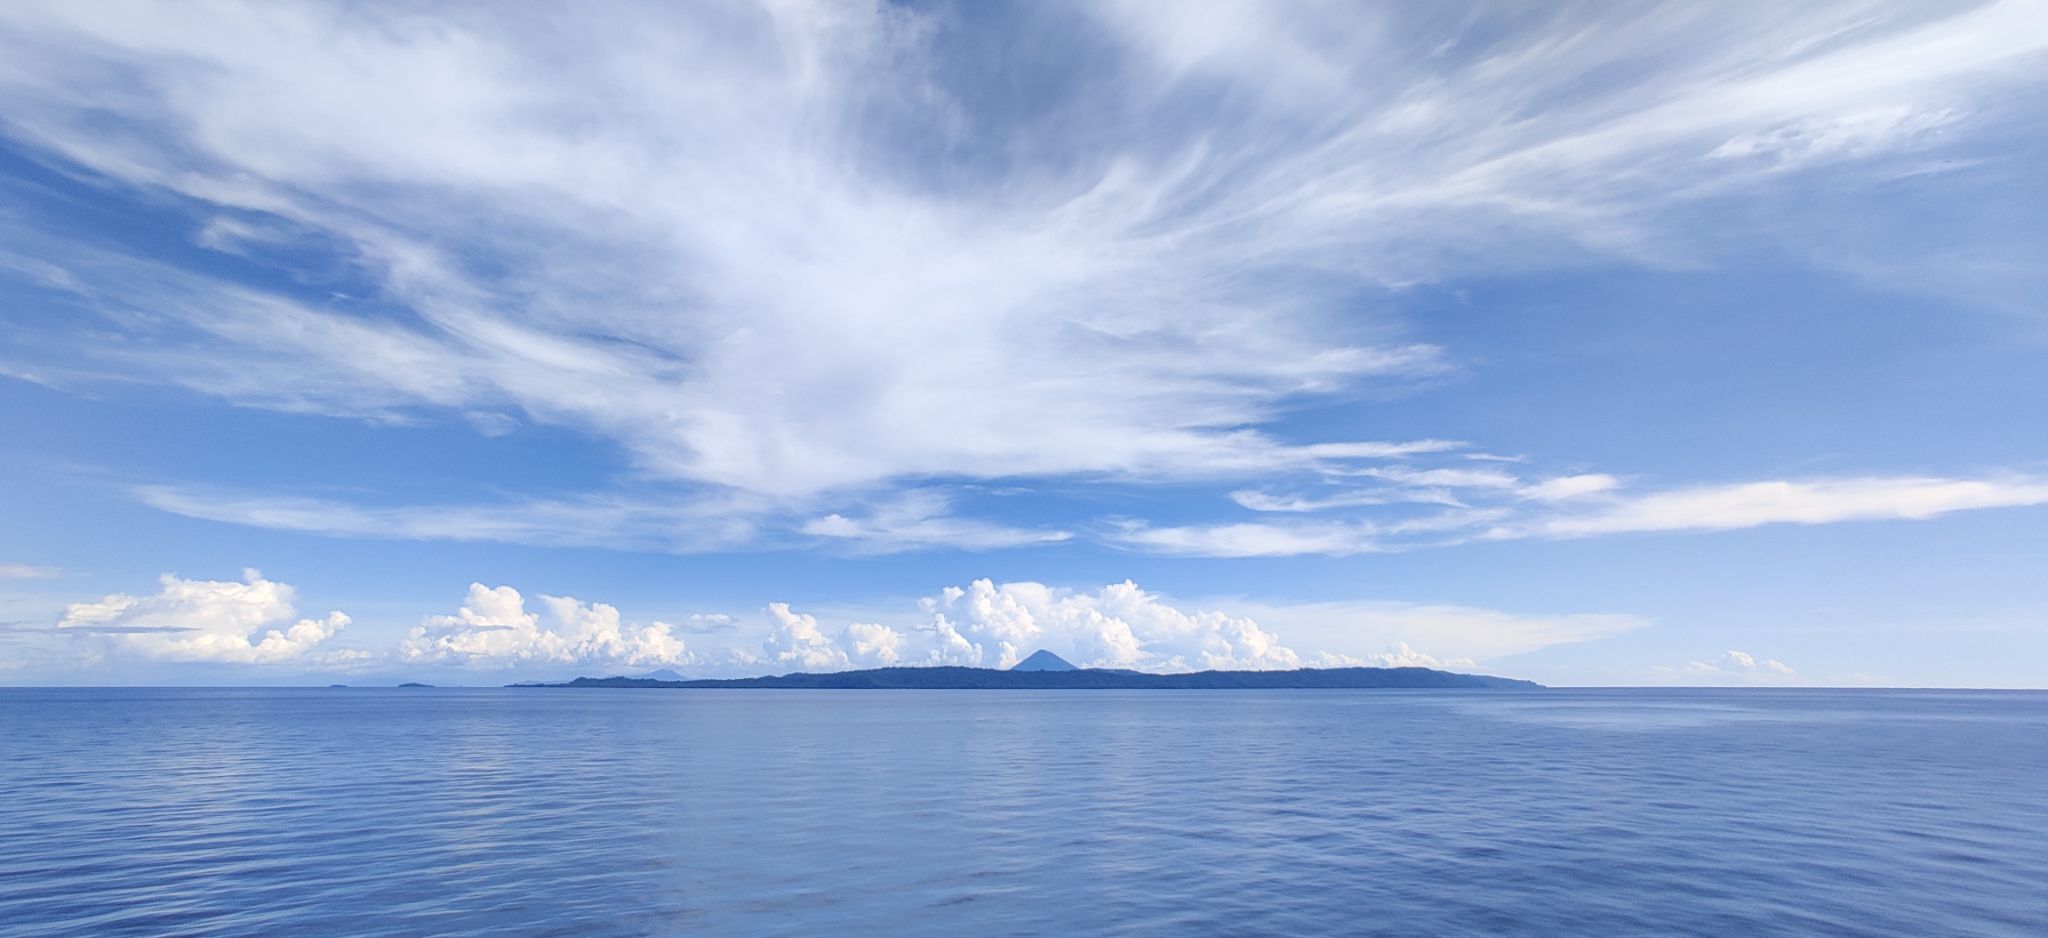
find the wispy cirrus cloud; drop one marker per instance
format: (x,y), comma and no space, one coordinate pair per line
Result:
(923,519)
(657,520)
(1812,501)
(1435,513)
(678,523)
(795,255)
(1583,505)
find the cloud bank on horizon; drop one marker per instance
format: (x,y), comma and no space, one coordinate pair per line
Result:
(982,625)
(871,281)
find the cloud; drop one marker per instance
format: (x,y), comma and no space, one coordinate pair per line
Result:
(985,624)
(919,519)
(980,624)
(1122,625)
(1575,506)
(873,642)
(798,252)
(667,521)
(23,571)
(1387,631)
(1396,655)
(493,629)
(1251,539)
(796,642)
(208,620)
(1119,625)
(705,623)
(1453,525)
(1734,667)
(1445,508)
(797,321)
(1814,501)
(1562,488)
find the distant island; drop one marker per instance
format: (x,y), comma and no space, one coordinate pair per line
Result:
(1047,671)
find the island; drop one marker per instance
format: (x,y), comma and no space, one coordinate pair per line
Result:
(1047,671)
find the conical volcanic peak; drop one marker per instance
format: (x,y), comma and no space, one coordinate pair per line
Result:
(1042,660)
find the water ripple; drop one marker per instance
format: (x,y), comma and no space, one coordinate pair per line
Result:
(365,812)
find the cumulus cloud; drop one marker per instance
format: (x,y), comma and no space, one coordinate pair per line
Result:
(494,629)
(796,640)
(1122,625)
(1119,625)
(208,620)
(1738,667)
(980,624)
(986,624)
(793,251)
(1396,655)
(874,642)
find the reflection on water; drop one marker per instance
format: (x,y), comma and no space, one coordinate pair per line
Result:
(934,812)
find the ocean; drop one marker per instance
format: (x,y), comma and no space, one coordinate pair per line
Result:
(653,812)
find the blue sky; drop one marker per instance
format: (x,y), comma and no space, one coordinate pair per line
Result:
(1593,346)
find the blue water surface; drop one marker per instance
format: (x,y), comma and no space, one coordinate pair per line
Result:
(599,812)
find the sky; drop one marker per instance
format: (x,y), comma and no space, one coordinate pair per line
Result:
(1590,344)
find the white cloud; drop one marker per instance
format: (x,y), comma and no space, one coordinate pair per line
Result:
(1272,502)
(1815,501)
(799,322)
(1120,625)
(208,620)
(23,571)
(1841,136)
(797,642)
(1382,631)
(919,519)
(778,251)
(1460,478)
(1396,655)
(981,624)
(1583,505)
(986,624)
(662,521)
(1453,525)
(1562,488)
(494,629)
(1251,539)
(870,642)
(1734,667)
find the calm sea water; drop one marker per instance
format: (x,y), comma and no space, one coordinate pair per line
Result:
(443,812)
